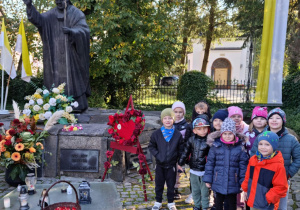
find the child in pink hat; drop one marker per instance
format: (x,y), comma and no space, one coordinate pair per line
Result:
(236,114)
(257,125)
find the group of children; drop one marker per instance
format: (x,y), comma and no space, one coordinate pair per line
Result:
(248,166)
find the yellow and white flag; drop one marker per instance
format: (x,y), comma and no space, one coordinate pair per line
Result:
(21,47)
(270,74)
(6,62)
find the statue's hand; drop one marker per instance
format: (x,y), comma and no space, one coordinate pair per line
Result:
(27,2)
(66,30)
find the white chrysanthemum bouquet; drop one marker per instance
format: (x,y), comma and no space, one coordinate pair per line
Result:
(43,103)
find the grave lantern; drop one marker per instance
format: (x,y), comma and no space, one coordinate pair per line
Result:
(85,193)
(30,181)
(23,199)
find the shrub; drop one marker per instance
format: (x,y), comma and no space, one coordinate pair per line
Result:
(291,90)
(193,86)
(293,119)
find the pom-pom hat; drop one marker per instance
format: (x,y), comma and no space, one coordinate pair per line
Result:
(259,112)
(270,137)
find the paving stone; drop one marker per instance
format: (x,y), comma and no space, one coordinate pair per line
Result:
(290,202)
(297,197)
(134,196)
(123,193)
(298,204)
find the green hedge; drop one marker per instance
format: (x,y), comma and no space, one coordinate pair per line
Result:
(193,86)
(291,90)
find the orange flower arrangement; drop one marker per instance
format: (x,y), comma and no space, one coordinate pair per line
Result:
(20,148)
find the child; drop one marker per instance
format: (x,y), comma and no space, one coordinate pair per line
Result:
(202,107)
(226,165)
(198,149)
(166,146)
(236,114)
(287,145)
(257,125)
(265,181)
(180,124)
(218,119)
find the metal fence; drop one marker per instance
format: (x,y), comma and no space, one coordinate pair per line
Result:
(227,92)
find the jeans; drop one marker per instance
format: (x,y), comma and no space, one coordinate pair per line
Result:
(199,191)
(283,201)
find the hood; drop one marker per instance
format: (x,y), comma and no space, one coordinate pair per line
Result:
(217,134)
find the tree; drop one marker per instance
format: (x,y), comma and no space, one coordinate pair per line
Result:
(130,41)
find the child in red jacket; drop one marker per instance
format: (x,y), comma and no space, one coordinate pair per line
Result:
(265,182)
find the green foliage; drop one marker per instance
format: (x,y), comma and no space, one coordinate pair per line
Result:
(291,90)
(293,119)
(193,86)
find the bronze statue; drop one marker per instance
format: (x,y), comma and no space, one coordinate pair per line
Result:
(66,48)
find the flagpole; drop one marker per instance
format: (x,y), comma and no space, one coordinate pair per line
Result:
(2,89)
(7,86)
(66,46)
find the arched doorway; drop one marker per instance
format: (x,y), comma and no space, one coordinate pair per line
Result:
(221,72)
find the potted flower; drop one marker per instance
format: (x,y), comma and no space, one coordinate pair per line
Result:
(43,103)
(20,150)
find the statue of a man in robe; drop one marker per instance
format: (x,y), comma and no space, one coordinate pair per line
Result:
(53,33)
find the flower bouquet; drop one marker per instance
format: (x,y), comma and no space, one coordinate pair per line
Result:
(21,148)
(43,103)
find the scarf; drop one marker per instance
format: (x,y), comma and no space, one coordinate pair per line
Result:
(261,158)
(167,133)
(279,133)
(230,142)
(240,128)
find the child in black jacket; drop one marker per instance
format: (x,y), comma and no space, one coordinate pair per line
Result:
(198,148)
(166,146)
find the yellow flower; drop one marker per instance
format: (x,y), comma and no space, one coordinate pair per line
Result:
(15,156)
(27,156)
(37,96)
(7,154)
(75,129)
(36,117)
(19,147)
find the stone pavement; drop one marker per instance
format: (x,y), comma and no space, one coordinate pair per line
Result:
(131,191)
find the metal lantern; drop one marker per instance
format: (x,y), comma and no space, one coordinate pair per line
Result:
(23,199)
(85,193)
(30,181)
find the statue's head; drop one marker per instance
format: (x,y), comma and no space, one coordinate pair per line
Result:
(61,4)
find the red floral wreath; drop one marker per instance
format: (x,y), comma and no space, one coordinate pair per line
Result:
(125,128)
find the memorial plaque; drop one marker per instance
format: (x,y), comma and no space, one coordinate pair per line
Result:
(82,160)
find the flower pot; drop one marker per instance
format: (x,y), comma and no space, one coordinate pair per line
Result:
(12,182)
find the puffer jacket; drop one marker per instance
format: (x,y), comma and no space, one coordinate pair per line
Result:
(226,166)
(197,147)
(265,182)
(181,127)
(166,153)
(290,149)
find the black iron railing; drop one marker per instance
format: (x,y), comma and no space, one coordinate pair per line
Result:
(227,92)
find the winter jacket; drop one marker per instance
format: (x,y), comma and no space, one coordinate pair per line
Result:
(181,126)
(226,166)
(290,149)
(166,153)
(197,147)
(265,182)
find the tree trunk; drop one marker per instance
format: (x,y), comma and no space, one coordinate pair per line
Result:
(183,53)
(209,36)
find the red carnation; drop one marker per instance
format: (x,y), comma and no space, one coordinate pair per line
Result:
(16,121)
(142,158)
(142,171)
(1,124)
(137,112)
(107,165)
(30,131)
(12,132)
(138,120)
(136,132)
(110,131)
(132,111)
(111,120)
(18,140)
(8,143)
(109,154)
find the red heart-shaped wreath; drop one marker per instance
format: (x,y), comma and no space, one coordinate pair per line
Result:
(125,128)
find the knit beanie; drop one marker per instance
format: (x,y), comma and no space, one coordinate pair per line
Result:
(167,112)
(232,110)
(228,125)
(200,122)
(220,114)
(178,104)
(270,137)
(278,111)
(259,112)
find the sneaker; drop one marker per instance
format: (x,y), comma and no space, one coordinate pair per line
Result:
(177,196)
(189,199)
(172,206)
(156,206)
